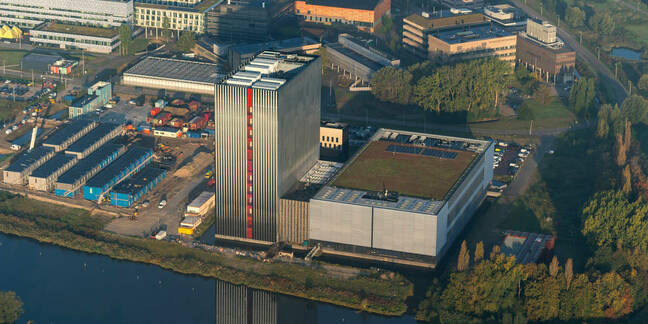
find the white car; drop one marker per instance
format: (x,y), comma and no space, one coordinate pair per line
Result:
(162,204)
(8,131)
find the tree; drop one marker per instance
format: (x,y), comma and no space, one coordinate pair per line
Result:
(166,26)
(581,97)
(575,16)
(124,38)
(392,85)
(643,82)
(554,267)
(463,262)
(187,41)
(10,307)
(602,23)
(569,272)
(479,252)
(603,124)
(609,218)
(634,109)
(543,94)
(626,180)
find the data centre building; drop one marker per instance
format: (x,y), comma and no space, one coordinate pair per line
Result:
(267,117)
(403,198)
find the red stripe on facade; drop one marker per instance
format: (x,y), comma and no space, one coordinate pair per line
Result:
(249,203)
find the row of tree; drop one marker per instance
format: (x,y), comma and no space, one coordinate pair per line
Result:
(501,290)
(473,87)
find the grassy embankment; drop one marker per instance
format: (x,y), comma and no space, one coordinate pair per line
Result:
(75,229)
(205,225)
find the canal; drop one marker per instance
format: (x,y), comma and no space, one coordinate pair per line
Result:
(58,285)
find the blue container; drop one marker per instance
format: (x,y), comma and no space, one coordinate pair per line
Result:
(191,134)
(209,131)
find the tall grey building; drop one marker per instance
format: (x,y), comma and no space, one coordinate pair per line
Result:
(31,13)
(267,117)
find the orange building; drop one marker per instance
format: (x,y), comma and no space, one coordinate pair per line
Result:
(364,14)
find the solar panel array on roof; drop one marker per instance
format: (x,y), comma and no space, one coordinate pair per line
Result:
(424,206)
(68,131)
(29,158)
(53,165)
(440,154)
(432,142)
(403,149)
(177,70)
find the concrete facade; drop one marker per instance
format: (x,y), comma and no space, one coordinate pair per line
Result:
(181,18)
(501,46)
(31,13)
(293,220)
(98,95)
(95,44)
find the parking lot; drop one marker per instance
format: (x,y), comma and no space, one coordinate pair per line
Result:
(19,90)
(508,158)
(121,113)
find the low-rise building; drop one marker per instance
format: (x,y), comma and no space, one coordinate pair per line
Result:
(156,16)
(16,173)
(334,139)
(384,206)
(244,20)
(67,36)
(98,95)
(365,15)
(129,191)
(44,177)
(70,183)
(68,134)
(505,15)
(167,132)
(541,51)
(174,75)
(129,163)
(417,27)
(466,43)
(357,57)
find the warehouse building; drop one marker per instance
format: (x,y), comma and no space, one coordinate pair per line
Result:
(17,172)
(417,28)
(129,191)
(130,162)
(70,133)
(174,75)
(257,162)
(403,198)
(44,177)
(70,183)
(355,56)
(366,15)
(94,139)
(98,95)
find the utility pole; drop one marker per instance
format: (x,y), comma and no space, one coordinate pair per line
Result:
(616,67)
(580,42)
(531,127)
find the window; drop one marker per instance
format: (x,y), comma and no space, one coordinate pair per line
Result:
(323,138)
(337,140)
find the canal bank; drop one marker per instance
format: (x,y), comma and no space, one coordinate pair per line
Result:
(59,285)
(372,292)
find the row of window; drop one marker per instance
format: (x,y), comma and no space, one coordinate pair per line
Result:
(332,146)
(330,139)
(74,40)
(173,14)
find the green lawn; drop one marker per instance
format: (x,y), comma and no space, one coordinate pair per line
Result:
(9,109)
(641,31)
(138,45)
(12,57)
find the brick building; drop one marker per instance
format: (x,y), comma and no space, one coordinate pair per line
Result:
(542,52)
(366,15)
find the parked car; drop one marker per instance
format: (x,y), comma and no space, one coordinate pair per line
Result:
(162,204)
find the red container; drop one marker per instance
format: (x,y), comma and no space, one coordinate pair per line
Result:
(155,111)
(197,123)
(194,105)
(176,122)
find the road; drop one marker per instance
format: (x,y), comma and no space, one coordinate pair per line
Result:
(604,73)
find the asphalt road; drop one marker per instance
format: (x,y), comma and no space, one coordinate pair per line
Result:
(604,73)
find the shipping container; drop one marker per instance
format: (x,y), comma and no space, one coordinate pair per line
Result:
(155,111)
(162,119)
(160,104)
(191,134)
(176,122)
(197,123)
(194,105)
(209,131)
(202,204)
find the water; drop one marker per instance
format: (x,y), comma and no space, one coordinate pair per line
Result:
(64,286)
(626,53)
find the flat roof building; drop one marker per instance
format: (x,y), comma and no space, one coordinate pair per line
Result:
(417,27)
(71,36)
(181,15)
(69,184)
(366,15)
(541,51)
(31,13)
(334,140)
(462,4)
(129,191)
(174,75)
(17,172)
(506,15)
(477,41)
(94,139)
(69,134)
(129,163)
(240,53)
(404,197)
(267,116)
(244,20)
(98,95)
(39,62)
(357,57)
(44,177)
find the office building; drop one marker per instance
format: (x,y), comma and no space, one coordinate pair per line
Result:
(68,36)
(462,4)
(98,95)
(267,117)
(244,20)
(357,57)
(334,140)
(100,13)
(403,198)
(94,139)
(541,51)
(505,15)
(365,15)
(177,16)
(477,41)
(174,75)
(418,27)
